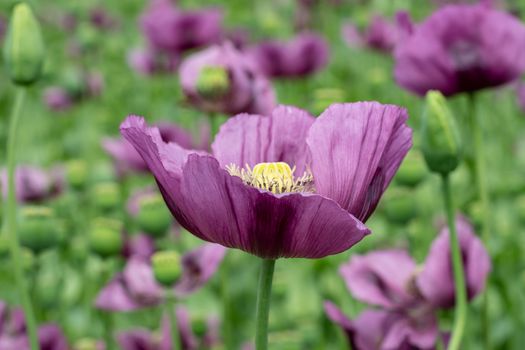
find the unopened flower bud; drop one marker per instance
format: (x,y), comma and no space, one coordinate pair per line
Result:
(412,171)
(213,82)
(106,195)
(153,216)
(24,50)
(166,267)
(441,143)
(38,228)
(105,237)
(77,173)
(199,326)
(399,205)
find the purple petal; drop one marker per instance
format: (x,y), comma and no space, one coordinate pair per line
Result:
(137,339)
(198,266)
(404,332)
(140,245)
(251,139)
(223,210)
(188,339)
(380,277)
(356,148)
(115,297)
(140,282)
(51,337)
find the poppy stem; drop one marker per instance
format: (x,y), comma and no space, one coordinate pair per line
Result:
(263,304)
(483,193)
(11,225)
(172,316)
(460,314)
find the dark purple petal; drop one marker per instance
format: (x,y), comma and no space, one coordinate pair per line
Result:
(51,337)
(251,139)
(223,210)
(356,148)
(198,266)
(380,277)
(140,282)
(137,339)
(436,280)
(140,245)
(115,297)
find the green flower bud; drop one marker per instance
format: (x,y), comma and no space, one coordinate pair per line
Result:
(153,217)
(213,82)
(166,267)
(106,195)
(24,50)
(38,228)
(86,344)
(441,143)
(399,205)
(412,170)
(77,173)
(105,237)
(199,326)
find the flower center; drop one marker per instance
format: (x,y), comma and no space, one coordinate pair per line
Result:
(276,177)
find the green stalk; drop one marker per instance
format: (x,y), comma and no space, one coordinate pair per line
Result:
(460,314)
(174,330)
(107,318)
(483,193)
(11,225)
(263,304)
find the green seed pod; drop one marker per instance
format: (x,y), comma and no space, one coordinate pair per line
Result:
(86,344)
(412,170)
(105,237)
(213,82)
(38,228)
(24,49)
(106,195)
(153,217)
(166,267)
(441,143)
(77,173)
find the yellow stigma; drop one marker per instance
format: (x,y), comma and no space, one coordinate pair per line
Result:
(276,177)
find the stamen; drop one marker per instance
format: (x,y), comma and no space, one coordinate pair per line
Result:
(275,177)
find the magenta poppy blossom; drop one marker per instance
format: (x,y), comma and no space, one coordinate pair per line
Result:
(385,279)
(461,48)
(306,54)
(436,280)
(247,90)
(57,98)
(33,184)
(270,189)
(127,159)
(137,288)
(142,339)
(149,62)
(172,30)
(140,245)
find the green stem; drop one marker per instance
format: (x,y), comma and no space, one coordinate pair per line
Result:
(263,304)
(460,315)
(227,329)
(174,330)
(483,193)
(11,226)
(107,318)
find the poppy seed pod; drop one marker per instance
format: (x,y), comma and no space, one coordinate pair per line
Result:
(166,267)
(24,50)
(153,216)
(441,143)
(106,195)
(213,82)
(77,173)
(38,228)
(105,237)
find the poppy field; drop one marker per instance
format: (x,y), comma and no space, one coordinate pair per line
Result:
(281,174)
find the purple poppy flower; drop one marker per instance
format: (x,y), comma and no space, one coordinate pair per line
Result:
(51,337)
(136,287)
(141,339)
(94,84)
(306,54)
(57,98)
(140,245)
(149,62)
(239,199)
(101,19)
(461,48)
(246,90)
(351,35)
(127,159)
(383,36)
(436,280)
(33,184)
(170,29)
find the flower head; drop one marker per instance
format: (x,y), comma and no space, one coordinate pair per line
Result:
(461,48)
(245,197)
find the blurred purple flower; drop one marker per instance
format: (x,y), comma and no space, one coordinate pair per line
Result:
(140,245)
(461,48)
(33,184)
(101,19)
(317,212)
(57,98)
(306,54)
(94,83)
(248,91)
(136,287)
(51,337)
(149,62)
(351,35)
(141,339)
(127,159)
(172,30)
(436,280)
